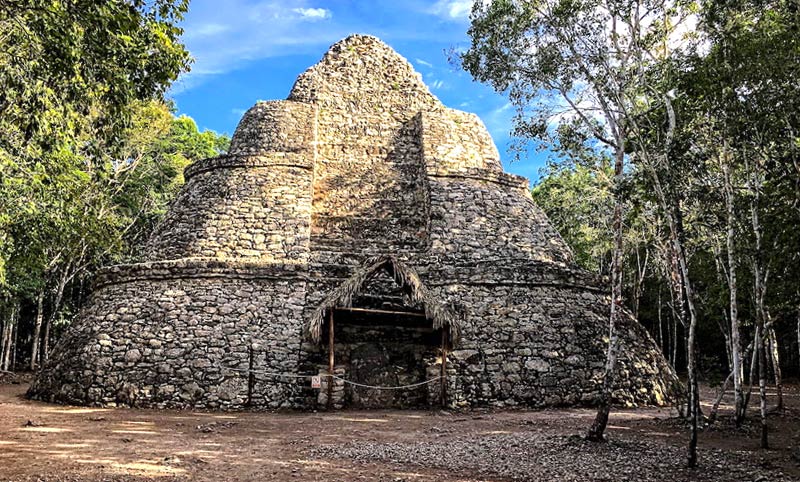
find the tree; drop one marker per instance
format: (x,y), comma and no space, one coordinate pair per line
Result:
(73,68)
(579,202)
(71,220)
(578,65)
(72,73)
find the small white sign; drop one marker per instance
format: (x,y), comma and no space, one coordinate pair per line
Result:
(316,382)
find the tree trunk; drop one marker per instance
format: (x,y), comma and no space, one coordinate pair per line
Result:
(762,389)
(673,213)
(753,365)
(8,347)
(37,329)
(676,225)
(598,427)
(712,416)
(776,366)
(735,345)
(14,337)
(5,345)
(760,288)
(641,272)
(6,340)
(691,358)
(45,342)
(678,299)
(675,342)
(62,284)
(660,325)
(723,328)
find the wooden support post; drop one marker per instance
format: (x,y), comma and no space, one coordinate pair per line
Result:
(443,379)
(251,377)
(331,360)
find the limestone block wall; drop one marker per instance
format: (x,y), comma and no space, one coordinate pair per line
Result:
(535,334)
(277,126)
(239,209)
(254,202)
(454,141)
(544,346)
(480,216)
(171,336)
(369,186)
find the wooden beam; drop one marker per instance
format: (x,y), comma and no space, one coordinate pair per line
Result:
(331,360)
(381,312)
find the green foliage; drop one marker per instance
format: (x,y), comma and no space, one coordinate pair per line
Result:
(150,168)
(731,84)
(72,73)
(90,155)
(579,203)
(73,68)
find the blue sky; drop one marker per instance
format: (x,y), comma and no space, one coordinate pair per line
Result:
(250,50)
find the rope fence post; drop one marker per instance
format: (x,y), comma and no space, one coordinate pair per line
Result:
(330,359)
(251,376)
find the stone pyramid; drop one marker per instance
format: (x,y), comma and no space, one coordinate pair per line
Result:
(363,202)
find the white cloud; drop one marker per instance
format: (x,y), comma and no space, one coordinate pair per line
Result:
(206,30)
(224,39)
(313,13)
(422,62)
(437,84)
(452,9)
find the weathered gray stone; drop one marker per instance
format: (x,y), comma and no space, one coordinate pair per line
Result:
(133,356)
(538,365)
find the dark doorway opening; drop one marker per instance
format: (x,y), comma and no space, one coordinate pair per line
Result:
(386,348)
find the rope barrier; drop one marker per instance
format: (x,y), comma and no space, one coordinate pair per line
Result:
(399,387)
(350,382)
(269,374)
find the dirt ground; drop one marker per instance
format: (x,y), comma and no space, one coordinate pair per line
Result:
(46,442)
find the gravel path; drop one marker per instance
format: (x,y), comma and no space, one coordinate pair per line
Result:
(530,456)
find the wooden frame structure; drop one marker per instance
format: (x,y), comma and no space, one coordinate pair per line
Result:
(332,350)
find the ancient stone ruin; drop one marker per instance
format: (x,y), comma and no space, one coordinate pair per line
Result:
(359,214)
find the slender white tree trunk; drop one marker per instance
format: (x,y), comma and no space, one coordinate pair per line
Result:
(762,389)
(8,348)
(753,365)
(65,277)
(776,365)
(735,344)
(598,427)
(712,416)
(691,357)
(14,340)
(673,214)
(5,344)
(760,288)
(660,325)
(37,328)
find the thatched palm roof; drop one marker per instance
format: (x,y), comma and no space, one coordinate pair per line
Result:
(405,276)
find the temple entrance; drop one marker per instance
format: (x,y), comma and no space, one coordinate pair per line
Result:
(383,348)
(386,336)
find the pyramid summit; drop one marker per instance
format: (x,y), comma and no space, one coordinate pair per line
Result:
(358,226)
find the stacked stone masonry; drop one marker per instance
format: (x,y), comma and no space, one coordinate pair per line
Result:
(361,160)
